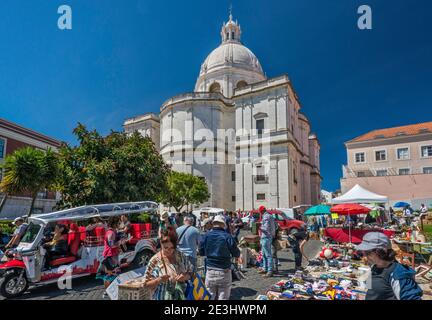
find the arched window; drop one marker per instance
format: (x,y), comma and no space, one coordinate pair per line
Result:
(241,84)
(215,87)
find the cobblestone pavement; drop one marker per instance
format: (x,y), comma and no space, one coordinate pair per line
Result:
(88,288)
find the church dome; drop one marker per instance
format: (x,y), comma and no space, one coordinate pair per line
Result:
(230,63)
(231,54)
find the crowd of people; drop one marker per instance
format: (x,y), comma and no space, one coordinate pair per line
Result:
(216,239)
(182,237)
(380,217)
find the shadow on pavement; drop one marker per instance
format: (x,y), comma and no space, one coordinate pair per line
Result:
(80,286)
(237,293)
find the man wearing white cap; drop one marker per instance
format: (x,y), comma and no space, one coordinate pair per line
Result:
(218,247)
(390,279)
(21,228)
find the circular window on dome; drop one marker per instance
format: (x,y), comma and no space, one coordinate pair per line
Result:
(241,84)
(215,87)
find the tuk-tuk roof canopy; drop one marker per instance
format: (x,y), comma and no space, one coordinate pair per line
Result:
(99,210)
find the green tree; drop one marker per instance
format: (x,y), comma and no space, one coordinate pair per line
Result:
(185,189)
(115,168)
(29,170)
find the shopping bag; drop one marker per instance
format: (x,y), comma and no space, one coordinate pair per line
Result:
(196,289)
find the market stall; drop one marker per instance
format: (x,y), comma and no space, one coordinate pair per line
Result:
(339,278)
(349,209)
(342,235)
(359,194)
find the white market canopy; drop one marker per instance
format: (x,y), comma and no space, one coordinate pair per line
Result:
(359,194)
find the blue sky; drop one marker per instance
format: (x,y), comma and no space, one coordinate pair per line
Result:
(124,58)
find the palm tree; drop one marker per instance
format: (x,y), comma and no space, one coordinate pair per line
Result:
(29,170)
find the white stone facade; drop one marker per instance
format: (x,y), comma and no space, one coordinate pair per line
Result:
(243,133)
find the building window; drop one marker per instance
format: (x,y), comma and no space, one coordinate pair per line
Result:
(402,153)
(295,175)
(360,157)
(2,148)
(295,198)
(260,150)
(260,196)
(233,198)
(232,35)
(241,84)
(232,175)
(380,155)
(172,154)
(404,171)
(381,173)
(426,151)
(260,126)
(361,174)
(261,178)
(427,170)
(215,87)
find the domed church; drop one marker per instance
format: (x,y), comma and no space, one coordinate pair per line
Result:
(242,132)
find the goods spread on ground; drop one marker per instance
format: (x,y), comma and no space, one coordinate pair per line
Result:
(333,275)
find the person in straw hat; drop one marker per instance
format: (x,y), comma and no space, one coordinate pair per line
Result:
(165,223)
(219,248)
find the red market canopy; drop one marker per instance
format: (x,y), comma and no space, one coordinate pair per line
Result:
(349,209)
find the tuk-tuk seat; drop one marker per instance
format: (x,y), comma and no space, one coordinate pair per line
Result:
(62,260)
(139,231)
(74,241)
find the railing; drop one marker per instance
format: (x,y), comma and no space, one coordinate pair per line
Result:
(197,96)
(375,172)
(262,84)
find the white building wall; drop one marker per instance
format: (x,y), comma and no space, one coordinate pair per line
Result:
(284,188)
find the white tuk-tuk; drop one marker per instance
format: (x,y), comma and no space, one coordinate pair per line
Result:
(26,265)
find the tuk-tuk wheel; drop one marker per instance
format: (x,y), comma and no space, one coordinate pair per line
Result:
(142,258)
(10,288)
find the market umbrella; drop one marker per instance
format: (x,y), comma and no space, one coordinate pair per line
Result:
(318,210)
(401,204)
(349,209)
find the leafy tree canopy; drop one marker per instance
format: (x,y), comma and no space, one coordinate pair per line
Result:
(115,168)
(185,189)
(29,170)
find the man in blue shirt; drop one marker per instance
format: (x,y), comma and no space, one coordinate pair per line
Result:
(218,246)
(188,239)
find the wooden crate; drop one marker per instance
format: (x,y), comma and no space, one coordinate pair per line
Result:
(134,290)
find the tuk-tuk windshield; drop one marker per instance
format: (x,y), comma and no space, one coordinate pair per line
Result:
(31,233)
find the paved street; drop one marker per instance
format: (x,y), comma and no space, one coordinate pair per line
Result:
(88,288)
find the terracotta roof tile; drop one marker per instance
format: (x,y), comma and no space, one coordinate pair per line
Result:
(409,130)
